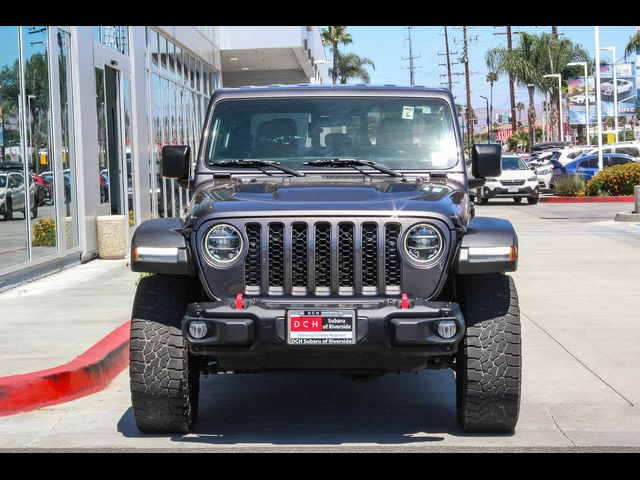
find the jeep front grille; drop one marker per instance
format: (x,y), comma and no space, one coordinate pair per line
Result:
(323,258)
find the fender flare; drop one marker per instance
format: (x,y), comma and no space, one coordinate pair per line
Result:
(159,246)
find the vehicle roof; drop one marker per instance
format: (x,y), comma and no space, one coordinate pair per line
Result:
(306,89)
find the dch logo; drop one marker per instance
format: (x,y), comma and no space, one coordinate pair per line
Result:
(306,324)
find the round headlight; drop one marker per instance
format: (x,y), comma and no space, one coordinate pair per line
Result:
(423,245)
(222,245)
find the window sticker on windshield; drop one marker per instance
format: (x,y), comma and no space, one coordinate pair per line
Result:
(407,113)
(426,110)
(438,159)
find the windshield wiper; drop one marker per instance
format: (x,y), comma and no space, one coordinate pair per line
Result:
(260,164)
(355,163)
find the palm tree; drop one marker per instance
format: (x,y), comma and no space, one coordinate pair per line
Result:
(634,44)
(351,65)
(519,107)
(524,65)
(332,36)
(556,53)
(492,77)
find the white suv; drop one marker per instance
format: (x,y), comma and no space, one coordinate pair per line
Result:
(517,181)
(12,195)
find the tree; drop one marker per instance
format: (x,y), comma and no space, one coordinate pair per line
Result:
(519,107)
(556,53)
(525,66)
(332,36)
(634,44)
(492,77)
(351,65)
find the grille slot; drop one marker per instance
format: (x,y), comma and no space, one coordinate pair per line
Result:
(369,255)
(327,257)
(276,255)
(253,264)
(323,255)
(345,255)
(392,262)
(299,255)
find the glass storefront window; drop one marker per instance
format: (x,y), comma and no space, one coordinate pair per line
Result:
(38,141)
(128,143)
(115,37)
(13,224)
(179,86)
(68,152)
(103,154)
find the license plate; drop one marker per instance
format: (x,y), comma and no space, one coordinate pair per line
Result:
(321,327)
(512,189)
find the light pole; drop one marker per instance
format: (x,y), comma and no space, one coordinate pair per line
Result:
(488,119)
(586,94)
(596,34)
(615,90)
(560,120)
(30,132)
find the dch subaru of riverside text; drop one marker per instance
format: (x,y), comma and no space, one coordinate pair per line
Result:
(329,230)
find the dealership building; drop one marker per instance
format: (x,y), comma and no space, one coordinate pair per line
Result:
(85,110)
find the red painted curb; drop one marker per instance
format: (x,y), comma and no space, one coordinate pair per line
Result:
(89,373)
(622,198)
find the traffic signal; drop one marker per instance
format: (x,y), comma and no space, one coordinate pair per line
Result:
(499,118)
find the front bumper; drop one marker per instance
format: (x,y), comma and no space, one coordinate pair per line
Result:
(388,338)
(529,189)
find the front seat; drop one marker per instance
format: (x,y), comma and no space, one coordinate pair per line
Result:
(276,138)
(394,137)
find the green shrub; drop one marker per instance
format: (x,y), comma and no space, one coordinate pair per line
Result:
(44,233)
(569,185)
(614,181)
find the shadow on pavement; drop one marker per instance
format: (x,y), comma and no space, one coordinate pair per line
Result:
(284,409)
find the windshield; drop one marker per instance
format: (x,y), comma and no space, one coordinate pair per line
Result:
(401,133)
(513,163)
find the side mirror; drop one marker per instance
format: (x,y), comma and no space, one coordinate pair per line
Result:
(175,161)
(486,160)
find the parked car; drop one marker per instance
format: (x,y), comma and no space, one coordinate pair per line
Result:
(568,154)
(587,166)
(43,191)
(516,181)
(631,148)
(13,195)
(385,270)
(537,159)
(548,173)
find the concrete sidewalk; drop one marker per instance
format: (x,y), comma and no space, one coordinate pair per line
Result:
(52,320)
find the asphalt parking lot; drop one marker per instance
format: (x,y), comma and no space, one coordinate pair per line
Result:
(578,287)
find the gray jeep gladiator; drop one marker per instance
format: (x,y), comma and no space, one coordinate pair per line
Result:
(329,230)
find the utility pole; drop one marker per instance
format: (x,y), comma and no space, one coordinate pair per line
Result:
(411,57)
(512,94)
(467,78)
(446,44)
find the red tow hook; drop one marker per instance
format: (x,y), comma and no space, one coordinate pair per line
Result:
(239,304)
(404,303)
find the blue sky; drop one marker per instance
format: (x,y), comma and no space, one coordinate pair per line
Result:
(386,45)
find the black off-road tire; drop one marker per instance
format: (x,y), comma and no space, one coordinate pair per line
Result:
(489,364)
(164,377)
(484,200)
(533,200)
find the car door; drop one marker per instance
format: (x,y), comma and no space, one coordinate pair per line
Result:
(16,187)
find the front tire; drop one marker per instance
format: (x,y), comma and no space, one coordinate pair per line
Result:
(8,209)
(489,364)
(164,377)
(533,200)
(517,199)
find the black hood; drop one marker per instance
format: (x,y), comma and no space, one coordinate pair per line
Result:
(308,197)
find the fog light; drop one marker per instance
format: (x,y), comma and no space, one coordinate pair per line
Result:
(446,329)
(198,329)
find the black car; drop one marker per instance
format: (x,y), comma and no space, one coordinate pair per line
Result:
(330,230)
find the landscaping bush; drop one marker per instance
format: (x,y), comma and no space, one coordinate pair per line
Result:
(44,233)
(614,181)
(569,185)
